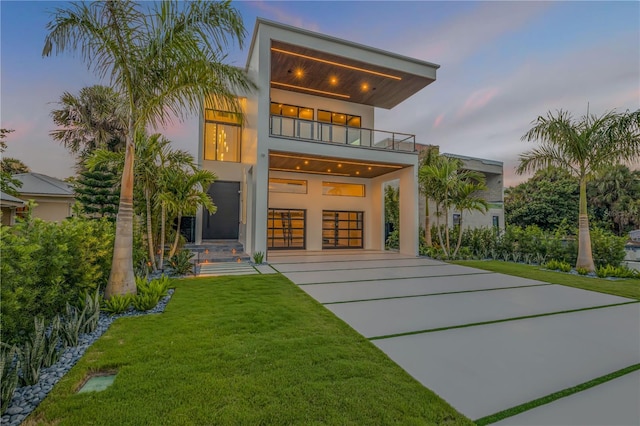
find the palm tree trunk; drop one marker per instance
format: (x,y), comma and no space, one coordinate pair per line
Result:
(152,257)
(459,236)
(175,241)
(440,238)
(427,223)
(585,256)
(121,278)
(162,220)
(446,232)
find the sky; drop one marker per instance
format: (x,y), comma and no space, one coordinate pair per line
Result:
(503,64)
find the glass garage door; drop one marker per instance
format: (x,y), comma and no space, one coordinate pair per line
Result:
(286,229)
(342,229)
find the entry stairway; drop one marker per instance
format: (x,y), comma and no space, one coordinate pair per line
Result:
(220,257)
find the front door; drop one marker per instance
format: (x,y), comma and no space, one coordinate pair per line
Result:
(224,224)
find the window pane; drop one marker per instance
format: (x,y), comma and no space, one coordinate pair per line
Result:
(276,108)
(343,189)
(338,118)
(290,186)
(228,143)
(290,111)
(210,141)
(353,121)
(306,113)
(222,116)
(324,116)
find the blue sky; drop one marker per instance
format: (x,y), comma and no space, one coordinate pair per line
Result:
(502,65)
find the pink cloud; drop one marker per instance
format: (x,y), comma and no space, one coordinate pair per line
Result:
(438,120)
(478,99)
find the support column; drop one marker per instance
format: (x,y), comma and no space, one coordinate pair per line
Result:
(409,226)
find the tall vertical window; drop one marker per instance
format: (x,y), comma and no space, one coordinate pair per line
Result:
(222,136)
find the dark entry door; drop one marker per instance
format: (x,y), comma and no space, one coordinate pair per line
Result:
(223,225)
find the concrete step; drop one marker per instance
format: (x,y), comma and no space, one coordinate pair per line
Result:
(225,268)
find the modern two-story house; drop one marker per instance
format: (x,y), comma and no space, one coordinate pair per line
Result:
(307,169)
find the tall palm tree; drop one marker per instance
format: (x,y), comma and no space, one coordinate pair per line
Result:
(163,58)
(186,191)
(583,147)
(467,199)
(428,157)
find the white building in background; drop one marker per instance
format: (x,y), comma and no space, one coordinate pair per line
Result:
(308,168)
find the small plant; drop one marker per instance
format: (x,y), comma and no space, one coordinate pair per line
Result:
(116,304)
(90,312)
(180,263)
(582,271)
(32,354)
(258,257)
(145,302)
(9,365)
(51,352)
(527,258)
(158,287)
(556,265)
(540,258)
(506,256)
(71,325)
(515,256)
(616,272)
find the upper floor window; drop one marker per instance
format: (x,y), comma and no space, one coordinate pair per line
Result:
(339,118)
(291,111)
(222,136)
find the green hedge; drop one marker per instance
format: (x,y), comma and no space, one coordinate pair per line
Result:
(47,264)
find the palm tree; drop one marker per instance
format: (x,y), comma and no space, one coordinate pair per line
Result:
(583,147)
(446,179)
(163,58)
(13,166)
(467,199)
(96,118)
(187,190)
(429,157)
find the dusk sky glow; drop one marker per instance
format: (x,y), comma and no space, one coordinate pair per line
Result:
(502,65)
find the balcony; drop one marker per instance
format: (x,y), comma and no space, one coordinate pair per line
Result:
(317,131)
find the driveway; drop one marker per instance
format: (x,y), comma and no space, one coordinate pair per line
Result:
(485,342)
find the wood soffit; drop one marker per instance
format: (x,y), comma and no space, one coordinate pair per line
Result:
(309,71)
(302,163)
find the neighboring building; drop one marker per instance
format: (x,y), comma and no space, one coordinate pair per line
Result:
(54,197)
(9,205)
(308,168)
(494,195)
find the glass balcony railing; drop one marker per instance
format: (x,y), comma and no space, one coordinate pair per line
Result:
(317,131)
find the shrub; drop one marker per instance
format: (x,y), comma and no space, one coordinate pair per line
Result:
(582,271)
(51,352)
(258,257)
(180,263)
(90,306)
(558,266)
(393,240)
(157,287)
(607,248)
(116,304)
(616,272)
(145,302)
(9,365)
(47,264)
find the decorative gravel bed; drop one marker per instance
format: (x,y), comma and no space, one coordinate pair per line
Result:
(27,398)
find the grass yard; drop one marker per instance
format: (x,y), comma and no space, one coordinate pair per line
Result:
(241,350)
(625,288)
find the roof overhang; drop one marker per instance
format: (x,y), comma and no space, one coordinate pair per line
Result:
(307,62)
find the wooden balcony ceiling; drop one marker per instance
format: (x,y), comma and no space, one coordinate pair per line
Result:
(309,71)
(301,163)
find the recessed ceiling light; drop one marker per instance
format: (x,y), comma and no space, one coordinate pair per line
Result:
(297,167)
(334,80)
(365,87)
(358,173)
(306,162)
(299,73)
(369,168)
(329,170)
(339,165)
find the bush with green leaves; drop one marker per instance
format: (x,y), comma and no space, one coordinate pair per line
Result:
(117,304)
(616,272)
(47,264)
(258,257)
(180,263)
(558,265)
(158,287)
(582,271)
(145,302)
(9,366)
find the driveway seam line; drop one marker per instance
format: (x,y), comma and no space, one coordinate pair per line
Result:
(379,267)
(436,294)
(431,330)
(521,408)
(393,279)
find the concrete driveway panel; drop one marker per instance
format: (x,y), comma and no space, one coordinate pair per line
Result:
(351,264)
(363,290)
(330,276)
(614,403)
(392,316)
(339,255)
(485,369)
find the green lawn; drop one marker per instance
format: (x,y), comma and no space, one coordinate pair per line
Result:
(241,350)
(624,288)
